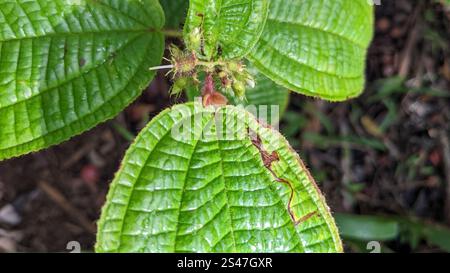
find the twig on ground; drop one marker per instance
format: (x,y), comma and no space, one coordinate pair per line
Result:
(79,154)
(411,43)
(57,197)
(445,145)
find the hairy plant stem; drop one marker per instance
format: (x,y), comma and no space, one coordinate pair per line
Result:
(172,33)
(209,65)
(160,67)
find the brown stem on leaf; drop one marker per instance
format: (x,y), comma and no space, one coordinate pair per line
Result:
(210,95)
(208,88)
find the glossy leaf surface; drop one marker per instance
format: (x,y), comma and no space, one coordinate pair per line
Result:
(316,47)
(66,66)
(230,28)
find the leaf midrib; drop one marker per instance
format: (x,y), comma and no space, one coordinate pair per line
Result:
(184,183)
(225,189)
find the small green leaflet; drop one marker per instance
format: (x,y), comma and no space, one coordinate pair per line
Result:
(230,28)
(199,180)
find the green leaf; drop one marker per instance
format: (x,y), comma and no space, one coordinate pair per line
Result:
(316,47)
(175,11)
(230,28)
(66,66)
(439,236)
(386,228)
(367,228)
(194,181)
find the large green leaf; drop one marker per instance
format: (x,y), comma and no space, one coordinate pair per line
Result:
(230,28)
(67,65)
(175,11)
(316,47)
(195,181)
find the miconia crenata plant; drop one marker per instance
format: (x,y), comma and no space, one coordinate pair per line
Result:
(205,176)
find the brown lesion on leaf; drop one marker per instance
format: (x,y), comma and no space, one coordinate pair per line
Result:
(268,159)
(82,62)
(307,217)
